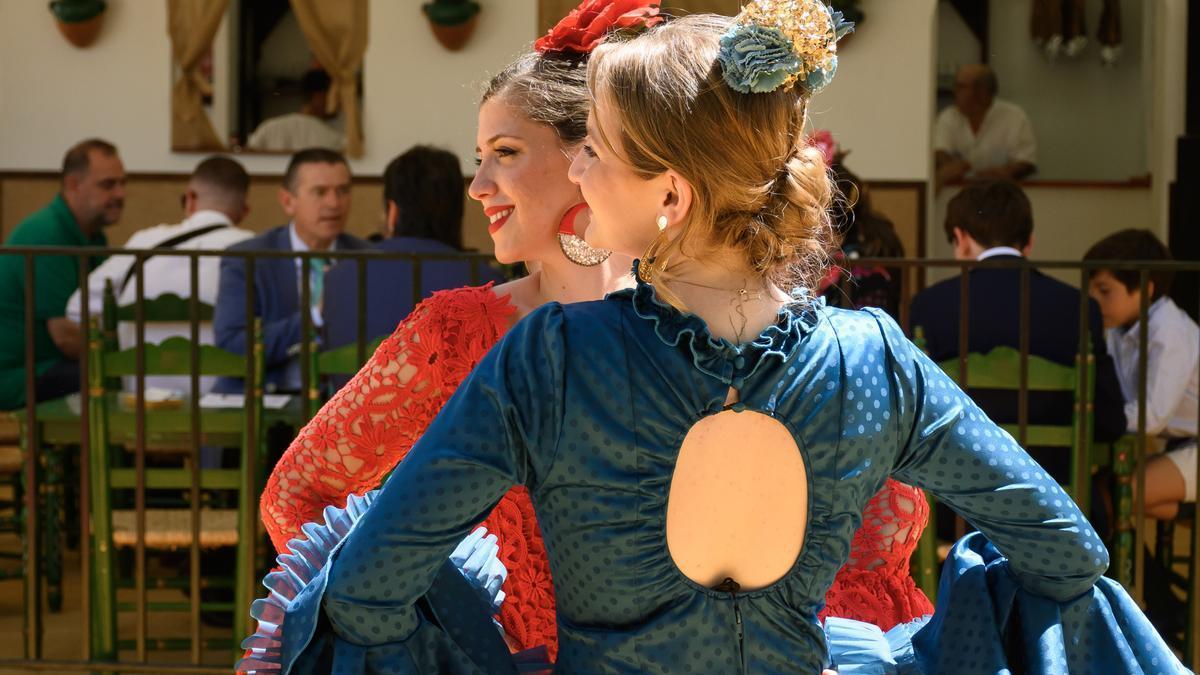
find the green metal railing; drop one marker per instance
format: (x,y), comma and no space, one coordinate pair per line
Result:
(911,274)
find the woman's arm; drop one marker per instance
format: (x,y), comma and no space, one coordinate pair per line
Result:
(372,422)
(500,428)
(951,448)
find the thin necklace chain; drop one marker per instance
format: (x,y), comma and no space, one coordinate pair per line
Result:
(741,297)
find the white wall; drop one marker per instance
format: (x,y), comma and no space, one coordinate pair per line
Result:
(1066,222)
(1167,123)
(1090,121)
(880,105)
(52,94)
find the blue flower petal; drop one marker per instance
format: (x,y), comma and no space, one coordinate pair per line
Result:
(757,58)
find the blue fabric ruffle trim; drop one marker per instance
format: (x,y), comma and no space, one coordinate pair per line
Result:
(301,572)
(713,355)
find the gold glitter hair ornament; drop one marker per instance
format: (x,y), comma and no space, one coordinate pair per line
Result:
(782,43)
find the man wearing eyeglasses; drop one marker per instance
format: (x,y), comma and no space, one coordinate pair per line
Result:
(213,204)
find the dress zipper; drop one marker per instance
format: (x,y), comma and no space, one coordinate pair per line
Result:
(732,587)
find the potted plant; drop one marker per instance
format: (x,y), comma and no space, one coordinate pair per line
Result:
(79,20)
(452,21)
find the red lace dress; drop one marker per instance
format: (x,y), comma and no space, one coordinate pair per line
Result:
(368,427)
(875,584)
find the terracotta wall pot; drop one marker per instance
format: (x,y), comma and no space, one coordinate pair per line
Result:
(454,37)
(81,33)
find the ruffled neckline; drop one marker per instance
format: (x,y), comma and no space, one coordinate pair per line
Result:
(716,356)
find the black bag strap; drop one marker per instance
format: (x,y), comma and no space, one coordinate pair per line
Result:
(171,243)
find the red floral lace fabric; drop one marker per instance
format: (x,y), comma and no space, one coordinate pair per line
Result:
(875,585)
(371,424)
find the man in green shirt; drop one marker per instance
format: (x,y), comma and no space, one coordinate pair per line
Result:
(92,197)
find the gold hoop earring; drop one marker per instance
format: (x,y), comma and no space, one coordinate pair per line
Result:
(649,264)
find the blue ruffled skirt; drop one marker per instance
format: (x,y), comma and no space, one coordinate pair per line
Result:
(983,623)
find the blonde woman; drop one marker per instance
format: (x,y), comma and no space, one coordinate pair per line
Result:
(699,449)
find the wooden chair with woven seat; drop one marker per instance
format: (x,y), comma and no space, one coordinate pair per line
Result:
(1000,369)
(11,463)
(118,476)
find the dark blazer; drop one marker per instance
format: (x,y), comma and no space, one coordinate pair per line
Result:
(276,302)
(390,293)
(994,321)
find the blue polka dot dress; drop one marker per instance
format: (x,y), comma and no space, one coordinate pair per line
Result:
(587,405)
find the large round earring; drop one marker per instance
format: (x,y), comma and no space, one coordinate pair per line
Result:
(573,246)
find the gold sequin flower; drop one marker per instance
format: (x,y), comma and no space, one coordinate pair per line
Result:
(779,43)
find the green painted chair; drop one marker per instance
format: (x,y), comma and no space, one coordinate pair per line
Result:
(117,478)
(342,361)
(1000,369)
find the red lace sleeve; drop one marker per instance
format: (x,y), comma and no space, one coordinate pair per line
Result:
(372,423)
(876,585)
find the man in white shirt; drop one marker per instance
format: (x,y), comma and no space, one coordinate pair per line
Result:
(213,204)
(1172,363)
(304,129)
(982,136)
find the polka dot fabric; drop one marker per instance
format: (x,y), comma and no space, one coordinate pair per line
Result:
(594,437)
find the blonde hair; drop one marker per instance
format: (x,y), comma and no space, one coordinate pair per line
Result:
(758,188)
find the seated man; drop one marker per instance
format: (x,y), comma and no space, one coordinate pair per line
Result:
(92,198)
(213,204)
(981,136)
(1172,367)
(304,129)
(316,196)
(993,220)
(423,211)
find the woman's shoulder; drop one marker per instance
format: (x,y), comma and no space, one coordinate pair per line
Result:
(864,331)
(468,305)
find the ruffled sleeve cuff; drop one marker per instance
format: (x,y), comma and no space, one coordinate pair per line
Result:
(290,619)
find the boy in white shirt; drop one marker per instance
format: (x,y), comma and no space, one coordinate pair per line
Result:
(1173,363)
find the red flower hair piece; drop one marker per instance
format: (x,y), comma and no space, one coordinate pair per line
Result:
(581,30)
(823,141)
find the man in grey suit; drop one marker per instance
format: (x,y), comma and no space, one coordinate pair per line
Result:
(316,197)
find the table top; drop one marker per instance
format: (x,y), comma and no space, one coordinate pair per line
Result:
(59,420)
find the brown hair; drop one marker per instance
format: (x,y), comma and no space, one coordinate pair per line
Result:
(548,90)
(226,176)
(993,212)
(310,156)
(1133,245)
(78,158)
(758,188)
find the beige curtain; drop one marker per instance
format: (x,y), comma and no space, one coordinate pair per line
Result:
(337,34)
(192,25)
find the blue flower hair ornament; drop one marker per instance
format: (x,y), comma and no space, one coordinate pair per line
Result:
(781,43)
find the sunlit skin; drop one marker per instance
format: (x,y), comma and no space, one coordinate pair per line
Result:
(96,196)
(521,182)
(1121,308)
(625,207)
(318,203)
